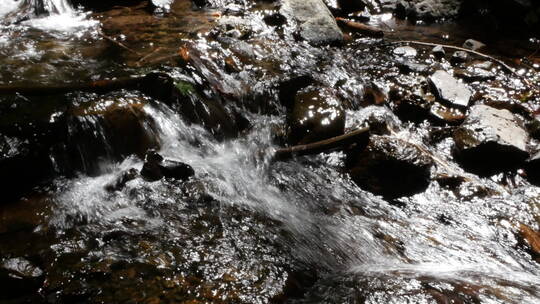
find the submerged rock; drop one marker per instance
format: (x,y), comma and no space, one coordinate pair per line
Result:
(23,165)
(428,9)
(405,51)
(317,114)
(156,167)
(449,89)
(193,105)
(490,141)
(474,45)
(391,167)
(532,169)
(474,73)
(105,131)
(459,57)
(21,268)
(121,180)
(438,51)
(380,120)
(20,281)
(316,23)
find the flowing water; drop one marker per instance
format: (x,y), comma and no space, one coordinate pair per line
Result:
(246,228)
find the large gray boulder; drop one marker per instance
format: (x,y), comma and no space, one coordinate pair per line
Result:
(315,22)
(491,141)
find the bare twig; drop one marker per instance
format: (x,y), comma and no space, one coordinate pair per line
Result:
(500,62)
(149,54)
(321,146)
(118,43)
(361,28)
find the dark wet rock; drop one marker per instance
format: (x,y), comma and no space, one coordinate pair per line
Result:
(290,87)
(20,281)
(447,114)
(232,65)
(515,17)
(21,268)
(474,45)
(450,90)
(412,103)
(275,19)
(156,167)
(472,74)
(438,51)
(531,239)
(428,9)
(235,27)
(380,120)
(360,16)
(315,22)
(189,100)
(407,66)
(391,167)
(351,6)
(121,180)
(533,126)
(405,51)
(317,114)
(490,141)
(104,131)
(532,168)
(23,165)
(459,57)
(374,94)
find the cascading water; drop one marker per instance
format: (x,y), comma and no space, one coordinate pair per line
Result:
(245,228)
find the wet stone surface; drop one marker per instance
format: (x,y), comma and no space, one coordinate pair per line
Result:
(449,89)
(391,167)
(491,139)
(317,114)
(315,22)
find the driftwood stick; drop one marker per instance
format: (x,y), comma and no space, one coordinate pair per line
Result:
(498,61)
(98,86)
(118,43)
(149,54)
(321,146)
(361,28)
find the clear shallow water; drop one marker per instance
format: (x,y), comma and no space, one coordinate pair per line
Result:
(245,228)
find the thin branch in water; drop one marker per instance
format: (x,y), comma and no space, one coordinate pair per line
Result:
(149,54)
(500,62)
(361,28)
(118,43)
(321,146)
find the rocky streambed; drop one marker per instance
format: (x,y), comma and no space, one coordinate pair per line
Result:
(139,146)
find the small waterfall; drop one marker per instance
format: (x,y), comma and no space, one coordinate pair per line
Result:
(55,6)
(20,10)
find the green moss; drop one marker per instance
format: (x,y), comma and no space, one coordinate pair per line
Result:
(185,88)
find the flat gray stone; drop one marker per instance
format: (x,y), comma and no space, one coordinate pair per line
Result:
(316,23)
(449,89)
(486,124)
(491,140)
(405,51)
